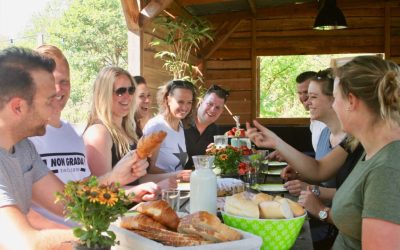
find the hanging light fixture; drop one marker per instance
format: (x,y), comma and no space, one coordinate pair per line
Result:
(330,17)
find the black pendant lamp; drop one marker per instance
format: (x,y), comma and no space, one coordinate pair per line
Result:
(330,17)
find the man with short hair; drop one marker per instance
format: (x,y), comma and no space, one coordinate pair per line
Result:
(203,128)
(303,81)
(61,148)
(27,103)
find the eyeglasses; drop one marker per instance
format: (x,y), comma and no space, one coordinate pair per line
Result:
(218,91)
(121,91)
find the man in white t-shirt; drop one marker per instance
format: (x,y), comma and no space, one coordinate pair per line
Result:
(316,127)
(61,148)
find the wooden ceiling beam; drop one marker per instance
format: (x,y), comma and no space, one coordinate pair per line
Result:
(176,9)
(199,2)
(296,10)
(131,13)
(152,9)
(252,6)
(224,34)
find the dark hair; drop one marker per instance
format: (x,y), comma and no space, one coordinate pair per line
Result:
(168,90)
(306,75)
(325,79)
(139,80)
(220,92)
(16,65)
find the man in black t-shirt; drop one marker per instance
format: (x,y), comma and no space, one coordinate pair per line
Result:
(203,128)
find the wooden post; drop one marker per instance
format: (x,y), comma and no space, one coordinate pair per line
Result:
(387,32)
(135,52)
(254,85)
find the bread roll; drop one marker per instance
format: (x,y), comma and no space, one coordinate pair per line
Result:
(240,206)
(275,210)
(139,222)
(161,212)
(207,226)
(260,197)
(297,209)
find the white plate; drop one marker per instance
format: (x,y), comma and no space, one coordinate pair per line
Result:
(277,163)
(269,187)
(274,171)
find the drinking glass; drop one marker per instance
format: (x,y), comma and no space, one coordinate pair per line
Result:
(172,197)
(220,141)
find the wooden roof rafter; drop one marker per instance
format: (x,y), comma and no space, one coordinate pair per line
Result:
(136,18)
(222,36)
(252,5)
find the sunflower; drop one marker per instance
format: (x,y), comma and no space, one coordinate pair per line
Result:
(94,194)
(223,157)
(108,197)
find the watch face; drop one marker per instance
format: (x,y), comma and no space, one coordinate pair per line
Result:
(323,215)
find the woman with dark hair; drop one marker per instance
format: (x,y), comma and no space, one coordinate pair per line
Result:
(176,101)
(143,104)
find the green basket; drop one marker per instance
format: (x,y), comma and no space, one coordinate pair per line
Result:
(277,234)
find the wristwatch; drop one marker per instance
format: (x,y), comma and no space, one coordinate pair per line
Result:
(323,214)
(315,190)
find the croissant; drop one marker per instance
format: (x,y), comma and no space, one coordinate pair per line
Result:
(148,143)
(161,212)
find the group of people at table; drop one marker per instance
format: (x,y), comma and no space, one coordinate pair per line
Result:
(356,151)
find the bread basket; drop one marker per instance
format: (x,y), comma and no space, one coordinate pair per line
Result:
(277,234)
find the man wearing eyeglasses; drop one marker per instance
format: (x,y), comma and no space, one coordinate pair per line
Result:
(203,128)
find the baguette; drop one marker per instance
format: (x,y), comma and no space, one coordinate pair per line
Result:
(207,226)
(139,222)
(161,212)
(147,144)
(170,238)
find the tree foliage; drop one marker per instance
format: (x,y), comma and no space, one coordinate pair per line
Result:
(92,34)
(278,92)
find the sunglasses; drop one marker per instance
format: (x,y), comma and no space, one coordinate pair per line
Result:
(324,75)
(217,90)
(121,91)
(180,84)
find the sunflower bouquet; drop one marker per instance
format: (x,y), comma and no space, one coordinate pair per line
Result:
(94,207)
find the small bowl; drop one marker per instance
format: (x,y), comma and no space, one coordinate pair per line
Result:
(277,234)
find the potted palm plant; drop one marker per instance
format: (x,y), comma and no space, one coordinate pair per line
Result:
(183,37)
(94,207)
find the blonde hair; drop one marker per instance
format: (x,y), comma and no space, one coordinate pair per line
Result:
(53,52)
(376,82)
(101,110)
(168,90)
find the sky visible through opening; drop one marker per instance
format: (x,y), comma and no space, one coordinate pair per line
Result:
(16,14)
